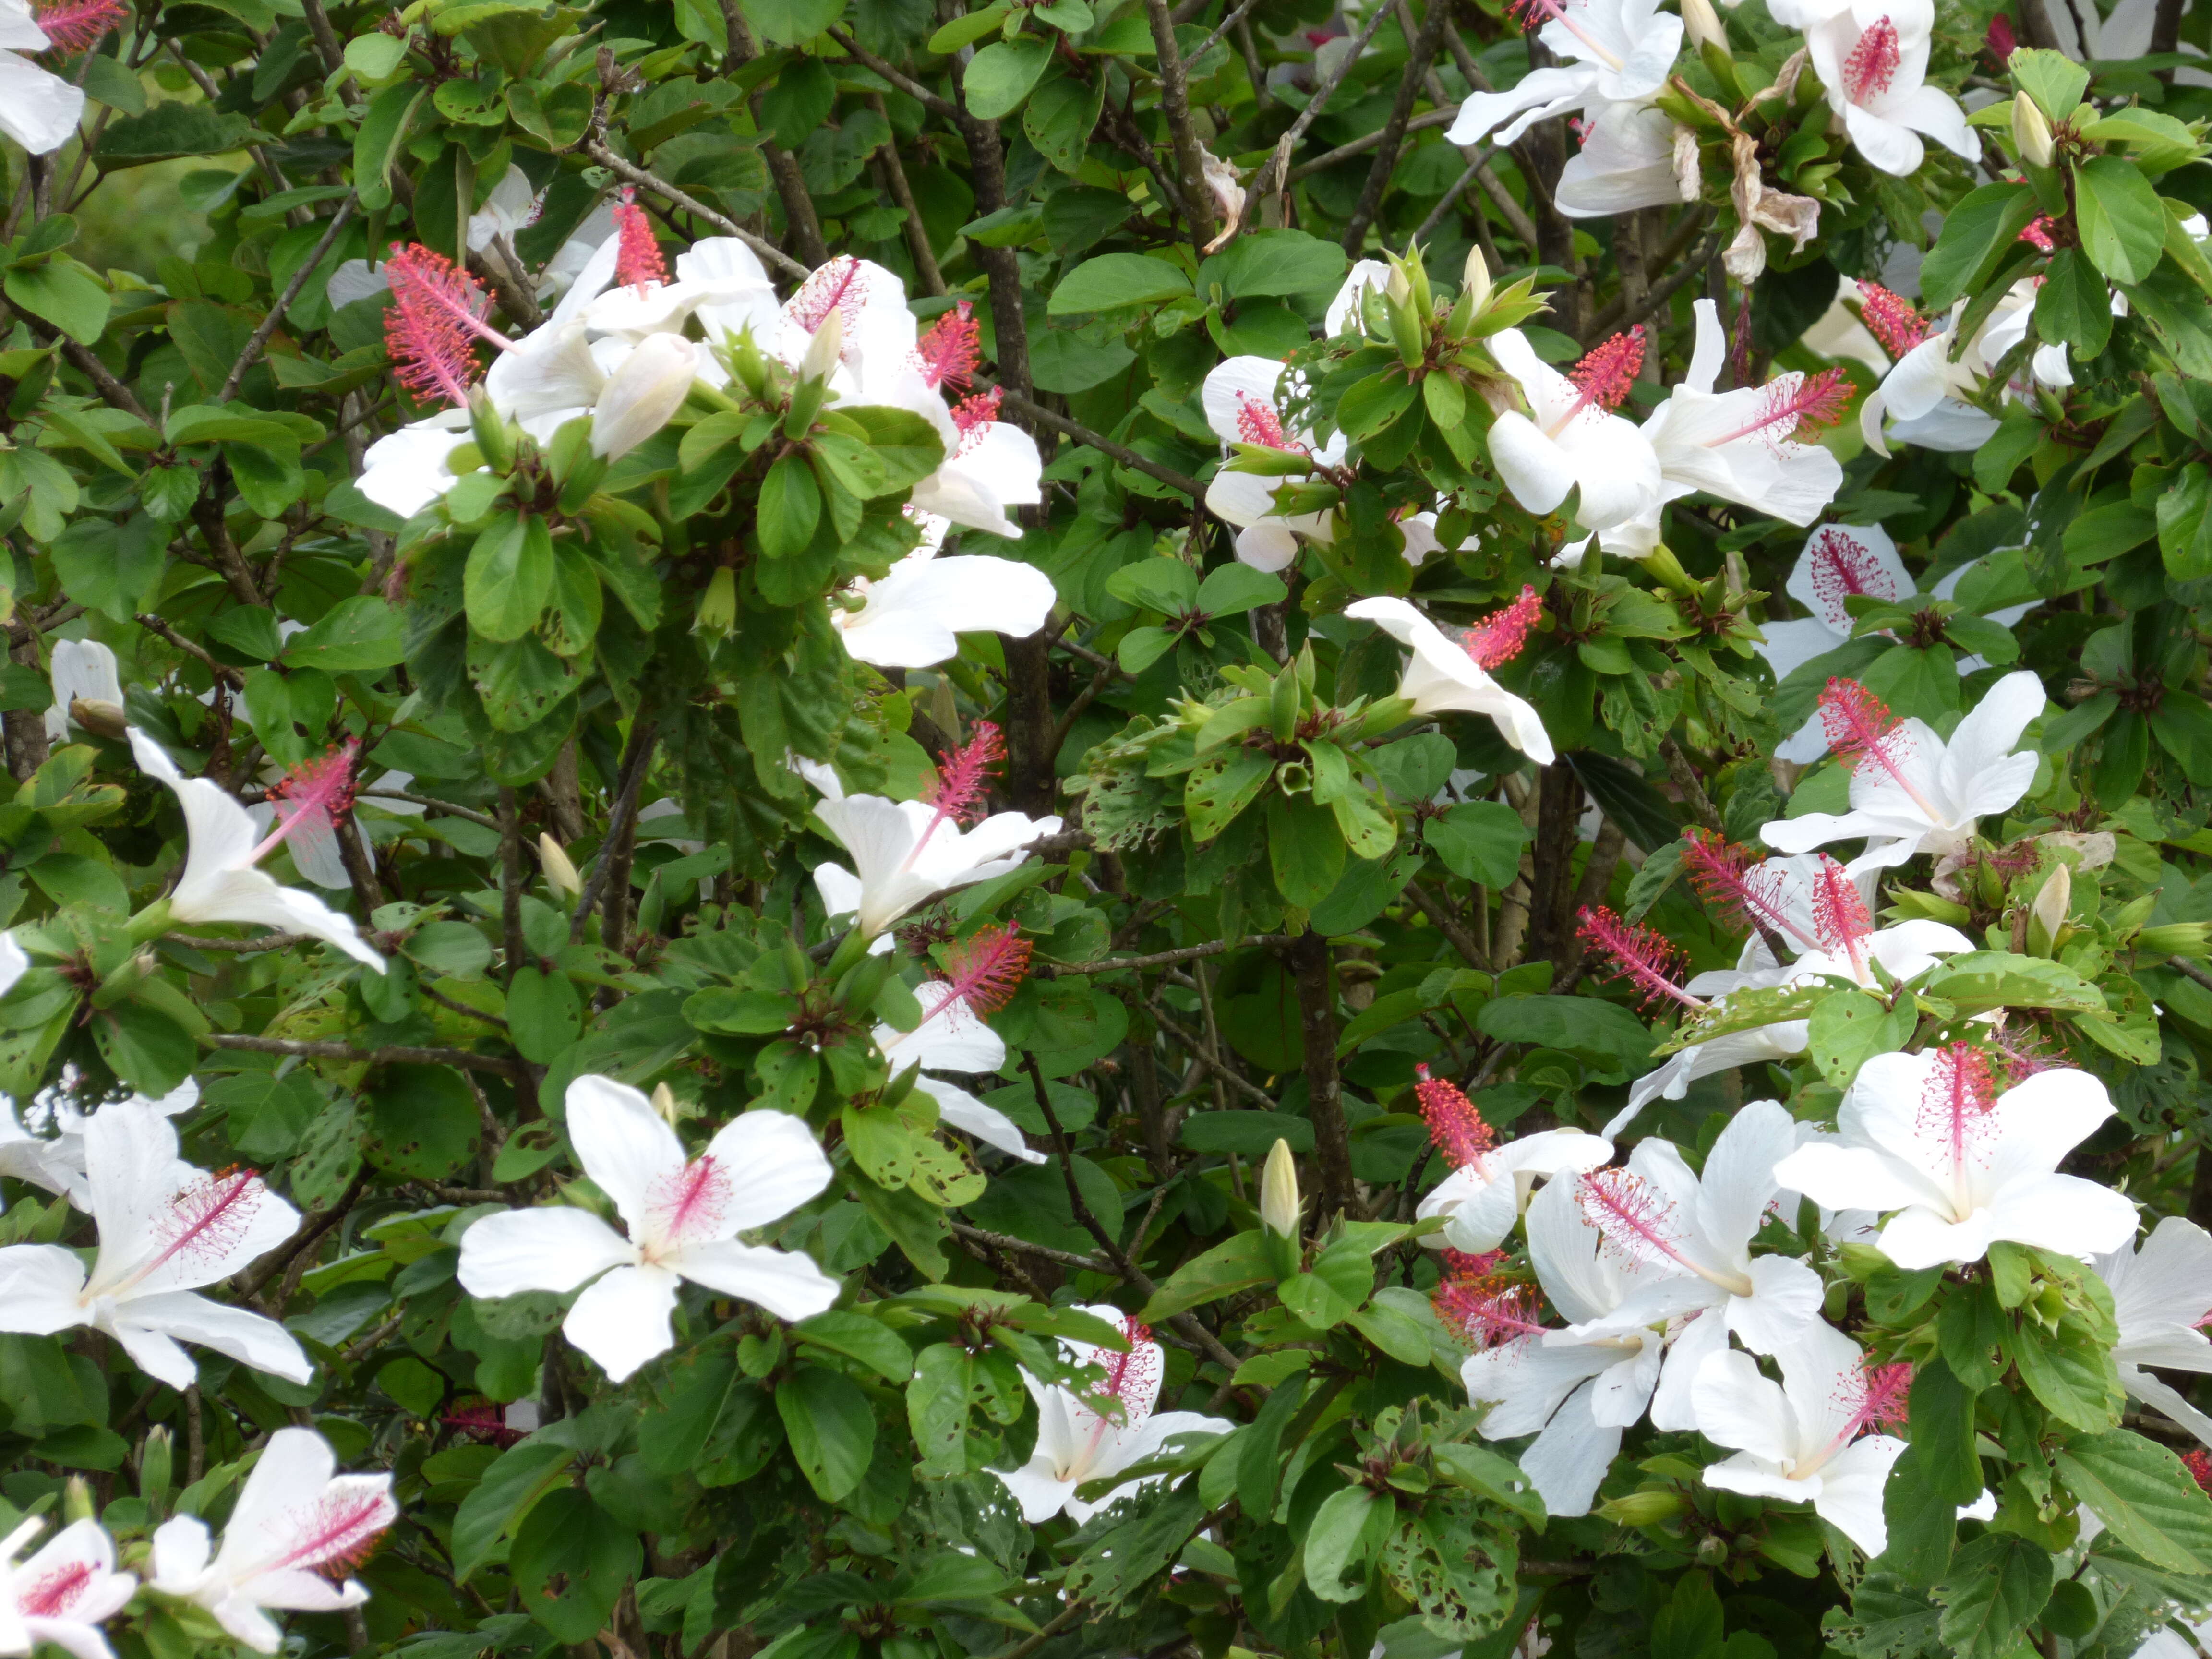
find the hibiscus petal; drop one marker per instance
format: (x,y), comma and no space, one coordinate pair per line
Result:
(622,1320)
(555,1247)
(776,1165)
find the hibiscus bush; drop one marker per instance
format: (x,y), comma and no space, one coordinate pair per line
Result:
(848,830)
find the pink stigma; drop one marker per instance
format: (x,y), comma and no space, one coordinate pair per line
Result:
(1844,568)
(1873,1396)
(950,349)
(1455,1125)
(208,1218)
(1793,400)
(1860,728)
(311,799)
(1631,1216)
(973,416)
(436,311)
(1497,639)
(1487,1311)
(1960,1093)
(2000,39)
(689,1203)
(75,25)
(1636,953)
(2038,233)
(1873,64)
(638,258)
(1131,1375)
(1605,375)
(1840,914)
(1744,889)
(1580,128)
(838,285)
(1257,423)
(986,969)
(1890,318)
(338,1533)
(957,792)
(54,1595)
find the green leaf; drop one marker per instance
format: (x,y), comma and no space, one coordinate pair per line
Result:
(1286,263)
(1222,785)
(1943,1418)
(509,576)
(937,1407)
(1984,980)
(1479,840)
(968,29)
(1847,1027)
(571,1562)
(517,1479)
(1165,585)
(790,508)
(793,22)
(63,292)
(110,568)
(906,446)
(170,130)
(2144,1494)
(1922,1525)
(543,1013)
(2055,81)
(1305,849)
(856,1336)
(423,1122)
(376,144)
(2070,1374)
(1997,1585)
(2074,305)
(1115,280)
(832,1429)
(2123,222)
(1584,1025)
(1373,405)
(1230,589)
(1978,234)
(1238,1265)
(1000,75)
(2185,524)
(360,633)
(1339,1542)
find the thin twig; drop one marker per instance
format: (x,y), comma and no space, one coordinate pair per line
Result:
(1618,316)
(1168,959)
(222,672)
(1274,174)
(1206,1057)
(1175,103)
(631,172)
(346,1051)
(1090,1264)
(1366,142)
(935,102)
(260,338)
(633,781)
(1105,446)
(1423,48)
(1227,24)
(449,808)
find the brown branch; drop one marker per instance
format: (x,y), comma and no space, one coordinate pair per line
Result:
(1438,912)
(1090,1264)
(222,672)
(935,102)
(625,807)
(631,172)
(268,325)
(1204,1053)
(513,944)
(917,233)
(1164,959)
(397,1056)
(799,214)
(431,801)
(1392,136)
(1175,103)
(1275,172)
(1366,142)
(1309,963)
(1619,315)
(1037,414)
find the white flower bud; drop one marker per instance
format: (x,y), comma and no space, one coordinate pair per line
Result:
(648,386)
(1398,289)
(823,350)
(2054,901)
(1279,1191)
(560,873)
(1476,279)
(1702,24)
(2031,132)
(664,1102)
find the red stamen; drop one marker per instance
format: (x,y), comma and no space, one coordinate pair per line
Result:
(1497,639)
(74,26)
(838,286)
(340,1534)
(638,258)
(1630,1215)
(986,969)
(1486,1312)
(2198,1463)
(973,416)
(949,351)
(1455,1125)
(1874,63)
(1840,914)
(1257,423)
(208,1218)
(957,790)
(1605,376)
(1132,1374)
(1875,1396)
(1861,728)
(1842,568)
(54,1595)
(1891,319)
(1745,889)
(1638,953)
(1961,1092)
(1580,128)
(690,1202)
(2038,233)
(435,310)
(1792,401)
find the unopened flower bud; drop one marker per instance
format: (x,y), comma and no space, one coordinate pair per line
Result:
(1279,1191)
(2052,903)
(560,873)
(1702,25)
(1642,1509)
(77,1500)
(2175,939)
(104,719)
(648,387)
(1476,278)
(717,605)
(154,1464)
(664,1102)
(1398,290)
(2031,132)
(824,350)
